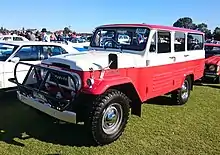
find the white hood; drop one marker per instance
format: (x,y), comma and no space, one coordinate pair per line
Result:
(96,60)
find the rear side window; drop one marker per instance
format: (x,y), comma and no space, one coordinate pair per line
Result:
(194,41)
(179,42)
(7,38)
(164,42)
(52,51)
(17,39)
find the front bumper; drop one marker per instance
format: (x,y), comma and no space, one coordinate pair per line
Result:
(67,116)
(211,75)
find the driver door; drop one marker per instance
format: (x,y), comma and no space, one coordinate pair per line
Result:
(27,54)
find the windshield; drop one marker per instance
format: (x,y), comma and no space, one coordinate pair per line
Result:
(212,50)
(6,50)
(129,38)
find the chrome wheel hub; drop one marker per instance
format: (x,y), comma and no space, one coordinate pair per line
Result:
(185,90)
(112,118)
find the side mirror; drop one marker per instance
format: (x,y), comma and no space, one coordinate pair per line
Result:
(113,59)
(15,60)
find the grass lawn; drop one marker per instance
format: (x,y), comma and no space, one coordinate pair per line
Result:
(163,129)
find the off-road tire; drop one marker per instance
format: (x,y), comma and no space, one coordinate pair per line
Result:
(177,94)
(96,117)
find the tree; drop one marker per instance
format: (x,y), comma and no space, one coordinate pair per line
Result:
(216,33)
(66,30)
(185,22)
(204,28)
(1,29)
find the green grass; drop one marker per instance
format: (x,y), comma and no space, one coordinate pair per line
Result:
(163,129)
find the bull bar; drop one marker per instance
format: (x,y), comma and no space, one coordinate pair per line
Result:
(25,93)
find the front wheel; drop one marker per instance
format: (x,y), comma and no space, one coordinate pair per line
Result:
(181,95)
(109,116)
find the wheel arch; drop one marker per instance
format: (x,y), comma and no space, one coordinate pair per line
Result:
(191,77)
(129,90)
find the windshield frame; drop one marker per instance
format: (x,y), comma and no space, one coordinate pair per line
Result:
(124,48)
(15,48)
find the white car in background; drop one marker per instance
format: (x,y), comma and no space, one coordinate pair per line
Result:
(78,46)
(13,38)
(26,51)
(124,39)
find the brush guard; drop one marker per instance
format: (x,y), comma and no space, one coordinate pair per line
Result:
(38,88)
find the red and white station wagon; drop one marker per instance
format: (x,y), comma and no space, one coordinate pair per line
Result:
(99,86)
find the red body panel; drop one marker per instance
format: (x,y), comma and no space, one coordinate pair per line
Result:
(212,44)
(215,60)
(149,82)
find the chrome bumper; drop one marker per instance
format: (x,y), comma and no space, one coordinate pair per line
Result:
(66,116)
(211,75)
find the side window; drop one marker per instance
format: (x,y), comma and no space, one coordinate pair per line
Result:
(49,51)
(28,53)
(164,42)
(17,39)
(153,43)
(194,41)
(179,42)
(7,38)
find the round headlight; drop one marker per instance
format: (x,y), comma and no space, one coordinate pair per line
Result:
(212,68)
(90,82)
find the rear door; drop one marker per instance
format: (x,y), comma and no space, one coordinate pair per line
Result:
(188,48)
(160,61)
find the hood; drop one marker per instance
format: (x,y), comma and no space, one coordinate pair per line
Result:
(96,59)
(215,60)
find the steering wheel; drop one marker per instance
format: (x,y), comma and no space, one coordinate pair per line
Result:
(111,41)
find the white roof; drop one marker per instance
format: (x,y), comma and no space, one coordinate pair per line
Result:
(21,43)
(9,35)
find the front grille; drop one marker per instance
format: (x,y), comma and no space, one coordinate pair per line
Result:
(62,79)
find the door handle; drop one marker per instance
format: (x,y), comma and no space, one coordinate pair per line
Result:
(186,55)
(172,57)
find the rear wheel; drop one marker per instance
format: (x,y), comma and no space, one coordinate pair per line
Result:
(109,116)
(181,95)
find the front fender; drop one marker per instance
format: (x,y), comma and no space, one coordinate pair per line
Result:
(100,86)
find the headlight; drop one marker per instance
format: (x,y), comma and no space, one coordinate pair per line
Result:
(211,67)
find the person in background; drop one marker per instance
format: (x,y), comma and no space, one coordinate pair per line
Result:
(31,36)
(44,35)
(53,37)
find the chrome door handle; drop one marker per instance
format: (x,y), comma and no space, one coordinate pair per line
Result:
(186,55)
(172,57)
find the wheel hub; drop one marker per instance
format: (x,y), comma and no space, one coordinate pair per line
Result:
(112,118)
(185,90)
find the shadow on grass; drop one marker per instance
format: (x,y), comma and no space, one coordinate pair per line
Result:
(22,122)
(207,83)
(162,100)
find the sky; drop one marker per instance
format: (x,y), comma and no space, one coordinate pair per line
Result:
(85,15)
